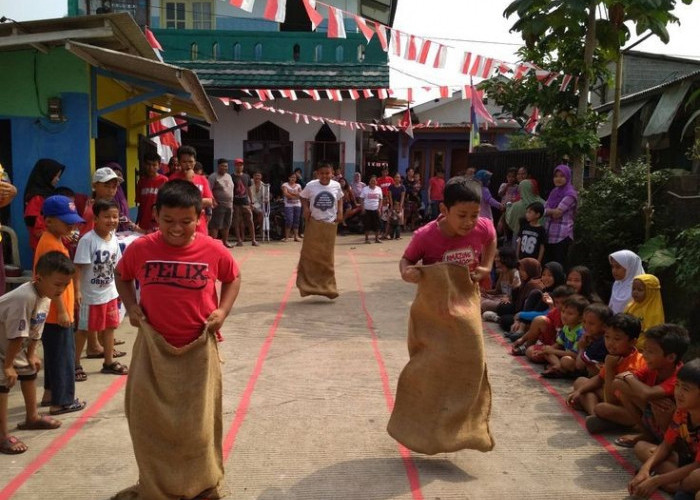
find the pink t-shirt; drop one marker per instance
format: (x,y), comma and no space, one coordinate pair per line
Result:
(436,189)
(430,245)
(178,279)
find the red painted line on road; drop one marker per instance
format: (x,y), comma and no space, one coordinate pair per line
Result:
(607,445)
(244,404)
(61,441)
(409,465)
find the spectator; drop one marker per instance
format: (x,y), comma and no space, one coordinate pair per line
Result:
(292,207)
(242,211)
(516,212)
(625,265)
(436,190)
(221,185)
(560,211)
(40,185)
(646,304)
(487,201)
(357,185)
(147,190)
(385,181)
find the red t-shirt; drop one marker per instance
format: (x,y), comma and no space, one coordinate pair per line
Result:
(146,192)
(649,377)
(430,245)
(684,436)
(384,183)
(203,184)
(436,189)
(178,279)
(33,209)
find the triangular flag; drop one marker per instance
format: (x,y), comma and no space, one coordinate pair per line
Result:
(225,100)
(424,50)
(275,10)
(336,25)
(314,16)
(411,51)
(362,25)
(261,94)
(246,5)
(152,41)
(380,29)
(440,57)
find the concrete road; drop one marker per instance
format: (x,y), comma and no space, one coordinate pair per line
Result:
(308,388)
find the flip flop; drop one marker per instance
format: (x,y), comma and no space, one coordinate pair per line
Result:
(100,355)
(7,444)
(44,423)
(625,442)
(76,405)
(115,368)
(119,342)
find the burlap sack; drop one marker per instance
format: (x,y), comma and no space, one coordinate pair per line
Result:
(316,270)
(443,399)
(173,407)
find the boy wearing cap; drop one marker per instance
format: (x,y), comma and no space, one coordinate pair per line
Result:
(105,183)
(59,344)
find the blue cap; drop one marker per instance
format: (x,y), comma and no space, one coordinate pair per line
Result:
(62,208)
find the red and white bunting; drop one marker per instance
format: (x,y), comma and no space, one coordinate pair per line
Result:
(354,94)
(531,124)
(396,42)
(336,25)
(362,25)
(225,100)
(275,10)
(520,71)
(246,5)
(440,57)
(542,74)
(314,94)
(424,50)
(289,94)
(261,94)
(409,95)
(246,91)
(565,82)
(380,29)
(314,16)
(444,91)
(306,118)
(551,79)
(411,49)
(334,95)
(259,105)
(466,61)
(367,94)
(503,68)
(482,67)
(382,93)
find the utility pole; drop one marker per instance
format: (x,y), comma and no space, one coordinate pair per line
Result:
(589,49)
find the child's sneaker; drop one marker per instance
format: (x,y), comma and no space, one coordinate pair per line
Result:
(490,316)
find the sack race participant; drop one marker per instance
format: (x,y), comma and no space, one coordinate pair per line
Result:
(173,397)
(322,202)
(443,399)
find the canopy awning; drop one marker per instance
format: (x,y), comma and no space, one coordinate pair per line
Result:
(160,84)
(666,109)
(627,111)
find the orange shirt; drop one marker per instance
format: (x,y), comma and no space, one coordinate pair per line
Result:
(48,243)
(633,362)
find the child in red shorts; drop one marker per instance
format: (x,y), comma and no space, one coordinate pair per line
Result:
(96,258)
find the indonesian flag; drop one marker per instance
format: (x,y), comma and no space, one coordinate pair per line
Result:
(406,124)
(466,62)
(334,94)
(444,91)
(409,95)
(354,94)
(531,124)
(382,93)
(336,26)
(551,79)
(261,94)
(275,10)
(152,41)
(479,108)
(367,93)
(411,50)
(396,41)
(289,94)
(380,29)
(424,50)
(314,94)
(225,100)
(246,5)
(440,57)
(362,25)
(521,71)
(314,16)
(542,74)
(565,82)
(482,67)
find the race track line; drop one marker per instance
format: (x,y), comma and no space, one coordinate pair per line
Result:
(409,465)
(607,445)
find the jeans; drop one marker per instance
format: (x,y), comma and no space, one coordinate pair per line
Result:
(292,216)
(59,363)
(434,209)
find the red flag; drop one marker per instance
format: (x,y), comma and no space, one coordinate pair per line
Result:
(444,91)
(440,57)
(479,108)
(246,5)
(486,69)
(406,124)
(396,41)
(380,29)
(366,30)
(411,53)
(424,50)
(465,62)
(336,25)
(476,66)
(531,124)
(152,41)
(367,93)
(409,95)
(314,16)
(565,82)
(354,94)
(275,10)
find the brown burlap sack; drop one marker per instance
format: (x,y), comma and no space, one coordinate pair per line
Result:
(316,270)
(443,399)
(173,407)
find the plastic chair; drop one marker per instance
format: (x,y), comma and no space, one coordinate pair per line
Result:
(12,281)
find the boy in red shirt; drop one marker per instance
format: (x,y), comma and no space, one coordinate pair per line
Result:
(146,191)
(436,192)
(177,268)
(187,158)
(385,181)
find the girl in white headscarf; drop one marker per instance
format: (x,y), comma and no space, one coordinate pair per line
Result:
(625,266)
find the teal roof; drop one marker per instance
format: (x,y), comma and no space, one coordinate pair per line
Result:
(231,75)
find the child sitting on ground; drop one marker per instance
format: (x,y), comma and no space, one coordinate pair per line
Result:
(508,278)
(22,316)
(647,394)
(674,465)
(561,356)
(543,329)
(592,351)
(532,236)
(646,304)
(620,335)
(97,255)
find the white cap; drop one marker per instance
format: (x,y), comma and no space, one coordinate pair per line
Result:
(104,174)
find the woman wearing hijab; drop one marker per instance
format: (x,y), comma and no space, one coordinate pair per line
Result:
(560,211)
(516,211)
(530,284)
(625,265)
(125,223)
(40,185)
(487,201)
(646,304)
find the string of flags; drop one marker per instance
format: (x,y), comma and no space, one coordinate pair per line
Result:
(411,47)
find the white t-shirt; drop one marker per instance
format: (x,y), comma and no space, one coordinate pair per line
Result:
(22,315)
(371,198)
(97,280)
(323,200)
(293,202)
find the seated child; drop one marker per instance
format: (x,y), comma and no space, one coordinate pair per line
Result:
(646,304)
(561,356)
(543,329)
(22,315)
(508,278)
(647,394)
(674,465)
(592,349)
(620,335)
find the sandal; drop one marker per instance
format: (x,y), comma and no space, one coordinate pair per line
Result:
(628,441)
(44,423)
(100,355)
(76,405)
(119,342)
(518,350)
(12,446)
(115,368)
(80,375)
